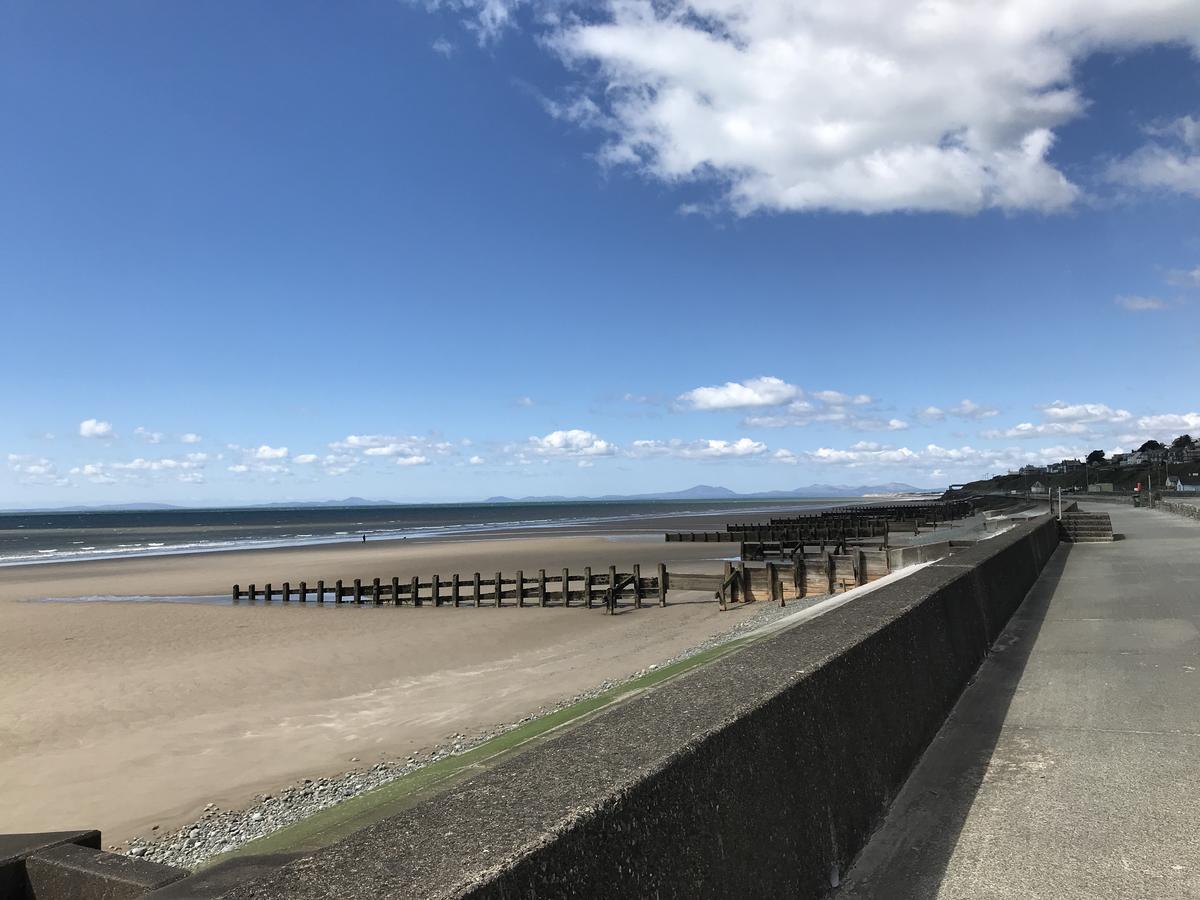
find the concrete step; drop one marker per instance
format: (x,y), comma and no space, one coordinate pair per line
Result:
(1085,528)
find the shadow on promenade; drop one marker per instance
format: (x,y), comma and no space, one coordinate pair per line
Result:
(909,855)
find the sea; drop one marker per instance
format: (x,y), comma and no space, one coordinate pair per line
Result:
(40,537)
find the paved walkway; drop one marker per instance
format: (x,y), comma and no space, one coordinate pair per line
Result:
(1070,768)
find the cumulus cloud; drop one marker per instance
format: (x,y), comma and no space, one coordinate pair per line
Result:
(190,438)
(766,391)
(1030,430)
(1085,412)
(1172,424)
(1185,278)
(701,449)
(475,461)
(966,409)
(305,459)
(962,461)
(35,470)
(142,469)
(442,47)
(267,452)
(1169,162)
(858,105)
(572,442)
(95,428)
(416,460)
(150,437)
(1132,303)
(778,404)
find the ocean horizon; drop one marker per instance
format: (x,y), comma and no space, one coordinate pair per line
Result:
(68,536)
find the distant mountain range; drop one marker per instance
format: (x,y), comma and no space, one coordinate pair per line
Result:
(699,492)
(713,492)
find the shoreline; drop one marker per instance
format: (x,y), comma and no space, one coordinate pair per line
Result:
(653,520)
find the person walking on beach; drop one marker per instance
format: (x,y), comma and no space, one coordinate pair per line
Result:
(364,538)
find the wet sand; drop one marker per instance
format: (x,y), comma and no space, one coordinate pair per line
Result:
(122,715)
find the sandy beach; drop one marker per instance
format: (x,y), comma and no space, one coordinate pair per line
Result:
(123,715)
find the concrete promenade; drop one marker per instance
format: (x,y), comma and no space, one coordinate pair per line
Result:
(1070,768)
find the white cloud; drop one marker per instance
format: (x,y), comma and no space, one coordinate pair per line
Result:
(837,398)
(966,409)
(1030,430)
(931,414)
(150,437)
(95,428)
(702,449)
(35,470)
(1169,163)
(855,105)
(412,461)
(961,462)
(1173,424)
(268,452)
(305,459)
(766,391)
(190,438)
(571,442)
(1140,304)
(1186,278)
(523,401)
(1085,412)
(443,47)
(476,461)
(141,469)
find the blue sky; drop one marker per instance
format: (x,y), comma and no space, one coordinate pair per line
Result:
(254,251)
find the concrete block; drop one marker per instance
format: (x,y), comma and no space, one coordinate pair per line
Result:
(72,872)
(15,848)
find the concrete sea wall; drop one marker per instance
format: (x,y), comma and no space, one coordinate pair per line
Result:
(760,774)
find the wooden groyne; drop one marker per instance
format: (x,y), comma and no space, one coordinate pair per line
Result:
(587,589)
(804,575)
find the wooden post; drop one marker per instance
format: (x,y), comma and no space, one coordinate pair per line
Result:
(724,590)
(267,592)
(566,588)
(437,590)
(774,589)
(395,591)
(475,589)
(454,588)
(286,593)
(612,589)
(416,591)
(662,584)
(375,591)
(742,582)
(637,586)
(337,591)
(541,587)
(250,593)
(831,571)
(587,586)
(236,593)
(320,591)
(520,588)
(303,595)
(499,590)
(358,590)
